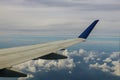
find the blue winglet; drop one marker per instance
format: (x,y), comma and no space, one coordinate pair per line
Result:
(86,33)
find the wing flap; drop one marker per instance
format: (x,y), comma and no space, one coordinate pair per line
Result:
(52,56)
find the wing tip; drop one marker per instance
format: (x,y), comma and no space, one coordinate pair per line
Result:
(87,31)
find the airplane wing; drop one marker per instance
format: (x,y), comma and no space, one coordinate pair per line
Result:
(13,56)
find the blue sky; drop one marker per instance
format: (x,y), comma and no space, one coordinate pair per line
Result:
(26,22)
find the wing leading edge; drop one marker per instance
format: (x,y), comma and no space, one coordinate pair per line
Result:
(13,56)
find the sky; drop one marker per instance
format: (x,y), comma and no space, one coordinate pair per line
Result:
(26,22)
(58,17)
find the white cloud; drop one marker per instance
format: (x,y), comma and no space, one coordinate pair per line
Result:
(114,59)
(98,59)
(46,65)
(93,59)
(115,55)
(70,72)
(91,56)
(82,51)
(31,69)
(104,67)
(96,65)
(107,60)
(116,67)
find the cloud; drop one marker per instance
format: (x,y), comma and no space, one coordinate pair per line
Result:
(116,67)
(115,55)
(107,60)
(47,65)
(29,16)
(104,67)
(82,4)
(110,64)
(82,62)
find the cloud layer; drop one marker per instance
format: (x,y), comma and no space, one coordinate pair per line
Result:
(80,64)
(57,16)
